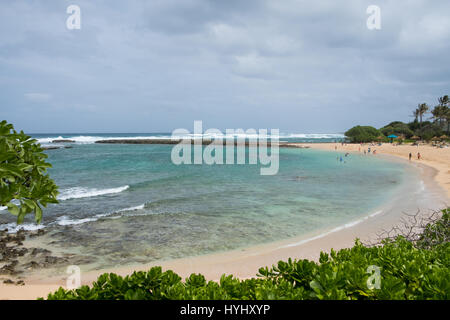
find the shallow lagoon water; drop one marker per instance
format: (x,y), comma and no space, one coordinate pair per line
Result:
(128,204)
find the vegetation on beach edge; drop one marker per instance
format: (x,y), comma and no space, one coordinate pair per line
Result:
(408,267)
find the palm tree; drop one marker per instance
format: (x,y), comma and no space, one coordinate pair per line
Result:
(416,115)
(443,112)
(422,109)
(444,101)
(438,113)
(447,118)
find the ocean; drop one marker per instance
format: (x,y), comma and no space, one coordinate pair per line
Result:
(129,204)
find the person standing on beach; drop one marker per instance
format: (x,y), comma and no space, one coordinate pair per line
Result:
(418,155)
(410,156)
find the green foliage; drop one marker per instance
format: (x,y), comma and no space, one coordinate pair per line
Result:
(363,134)
(23,174)
(435,233)
(406,272)
(398,128)
(430,130)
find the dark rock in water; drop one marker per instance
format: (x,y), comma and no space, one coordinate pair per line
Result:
(8,281)
(63,141)
(293,145)
(40,232)
(79,260)
(51,148)
(54,260)
(245,142)
(38,251)
(10,268)
(145,141)
(21,252)
(56,147)
(14,256)
(20,283)
(31,265)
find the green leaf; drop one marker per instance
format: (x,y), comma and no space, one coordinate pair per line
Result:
(38,214)
(13,209)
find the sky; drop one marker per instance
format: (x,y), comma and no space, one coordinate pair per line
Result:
(158,65)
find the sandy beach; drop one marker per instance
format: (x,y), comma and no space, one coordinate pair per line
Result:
(434,168)
(437,158)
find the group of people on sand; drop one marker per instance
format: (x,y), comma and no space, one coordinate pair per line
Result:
(369,150)
(374,151)
(419,156)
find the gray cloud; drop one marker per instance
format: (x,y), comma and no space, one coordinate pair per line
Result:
(146,66)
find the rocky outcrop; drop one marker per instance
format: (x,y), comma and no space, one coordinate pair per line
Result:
(170,141)
(293,145)
(63,141)
(56,147)
(15,259)
(51,148)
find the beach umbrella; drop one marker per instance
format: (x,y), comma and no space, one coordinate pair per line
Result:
(415,138)
(435,139)
(392,137)
(443,137)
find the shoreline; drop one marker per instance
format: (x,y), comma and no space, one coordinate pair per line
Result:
(244,263)
(439,159)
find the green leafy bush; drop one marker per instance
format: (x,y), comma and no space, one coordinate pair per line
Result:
(397,128)
(363,134)
(23,174)
(407,271)
(436,232)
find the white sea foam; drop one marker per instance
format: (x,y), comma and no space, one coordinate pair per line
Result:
(93,139)
(15,201)
(65,221)
(80,192)
(140,207)
(13,227)
(345,226)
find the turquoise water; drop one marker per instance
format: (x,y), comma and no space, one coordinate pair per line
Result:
(127,204)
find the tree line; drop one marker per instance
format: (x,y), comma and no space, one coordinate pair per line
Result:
(436,127)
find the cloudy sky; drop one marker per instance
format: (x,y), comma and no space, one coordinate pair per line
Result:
(156,65)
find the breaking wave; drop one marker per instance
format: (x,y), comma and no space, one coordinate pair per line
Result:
(80,192)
